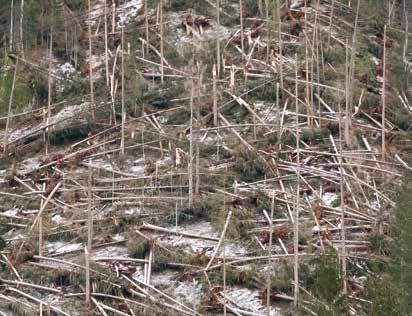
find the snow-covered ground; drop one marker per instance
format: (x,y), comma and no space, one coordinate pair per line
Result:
(207,247)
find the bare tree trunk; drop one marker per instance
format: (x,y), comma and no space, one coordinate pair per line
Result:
(267,31)
(41,225)
(11,25)
(190,166)
(242,33)
(146,23)
(224,278)
(260,7)
(123,109)
(21,27)
(352,75)
(405,43)
(308,87)
(215,123)
(91,103)
(106,54)
(347,97)
(278,111)
(342,205)
(297,205)
(113,16)
(13,86)
(218,36)
(332,12)
(197,168)
(162,70)
(280,43)
(76,48)
(269,286)
(89,211)
(49,95)
(384,96)
(87,261)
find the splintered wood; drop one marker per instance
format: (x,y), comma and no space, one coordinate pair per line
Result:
(213,176)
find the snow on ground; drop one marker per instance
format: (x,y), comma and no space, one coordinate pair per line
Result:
(68,112)
(125,13)
(28,165)
(58,219)
(14,212)
(110,251)
(95,12)
(328,198)
(267,112)
(64,71)
(199,245)
(249,300)
(58,247)
(18,133)
(128,11)
(189,292)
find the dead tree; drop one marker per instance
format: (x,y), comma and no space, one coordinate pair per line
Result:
(13,86)
(91,102)
(11,25)
(218,37)
(162,70)
(89,211)
(123,106)
(87,263)
(214,73)
(297,202)
(279,20)
(348,122)
(242,33)
(190,165)
(21,27)
(384,96)
(146,24)
(342,205)
(49,93)
(106,54)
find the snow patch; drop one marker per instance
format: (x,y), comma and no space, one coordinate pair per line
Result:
(249,300)
(328,198)
(203,246)
(128,11)
(58,247)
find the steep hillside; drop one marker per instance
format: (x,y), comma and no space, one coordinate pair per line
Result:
(180,157)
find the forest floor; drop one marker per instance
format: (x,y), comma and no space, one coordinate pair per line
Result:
(191,193)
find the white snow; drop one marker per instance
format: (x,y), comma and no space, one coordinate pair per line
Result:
(328,198)
(203,246)
(68,112)
(127,11)
(64,71)
(57,218)
(249,300)
(190,292)
(111,251)
(57,247)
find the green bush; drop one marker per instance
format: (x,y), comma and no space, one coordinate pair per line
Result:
(249,166)
(336,56)
(387,298)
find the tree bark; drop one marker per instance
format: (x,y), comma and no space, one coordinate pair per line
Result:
(91,103)
(384,96)
(297,205)
(218,37)
(11,26)
(21,27)
(13,86)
